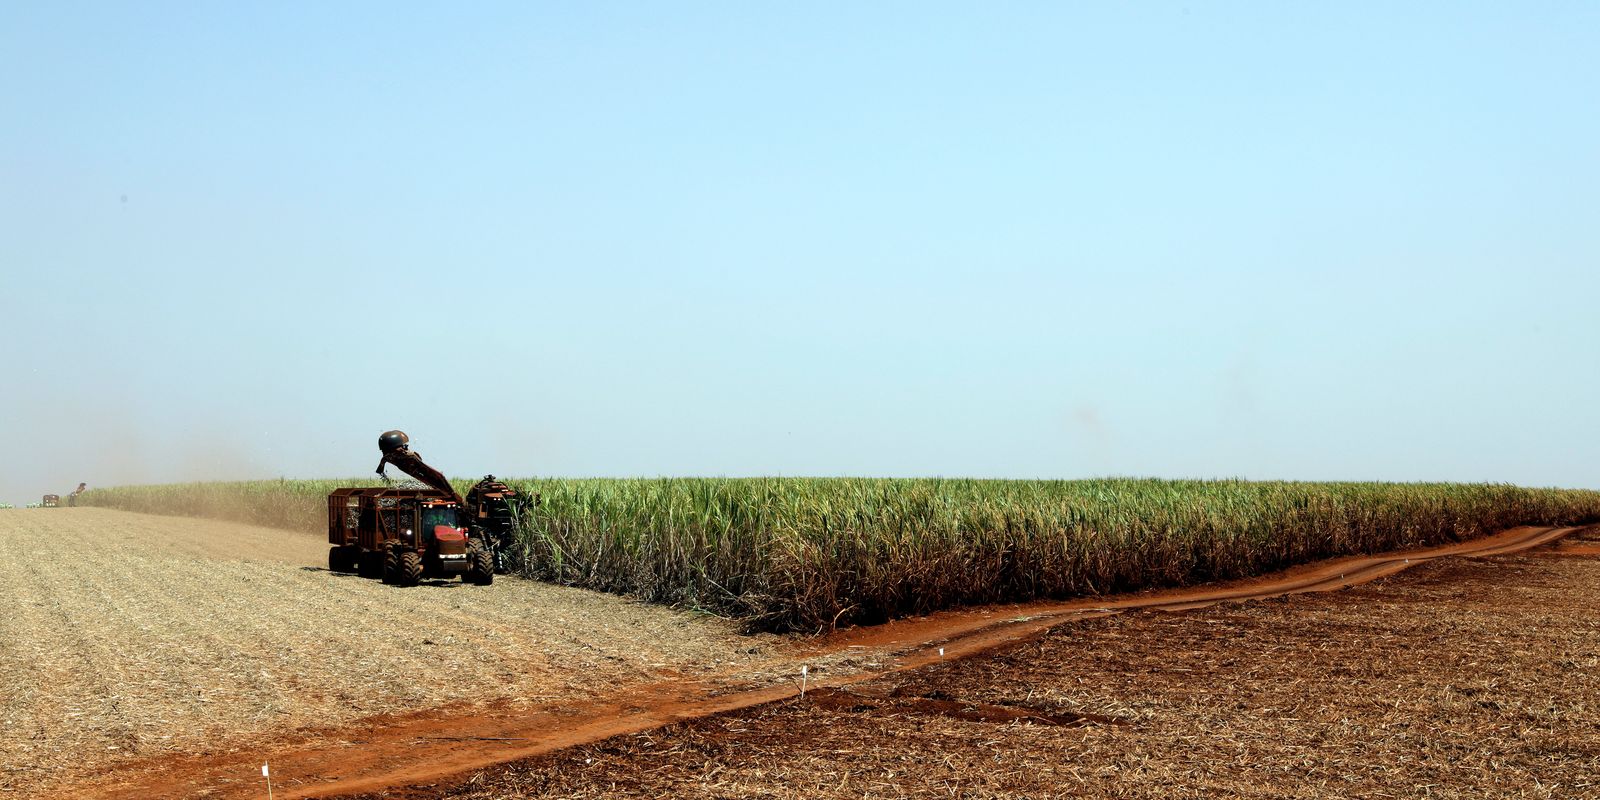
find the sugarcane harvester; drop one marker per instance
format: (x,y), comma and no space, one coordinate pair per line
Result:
(405,535)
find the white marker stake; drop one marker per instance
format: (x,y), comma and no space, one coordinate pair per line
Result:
(803,672)
(941,654)
(266,773)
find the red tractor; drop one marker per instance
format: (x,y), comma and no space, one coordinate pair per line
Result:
(403,536)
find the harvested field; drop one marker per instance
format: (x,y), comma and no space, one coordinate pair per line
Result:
(128,637)
(1458,678)
(863,671)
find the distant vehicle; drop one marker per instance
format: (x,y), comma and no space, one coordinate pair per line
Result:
(51,501)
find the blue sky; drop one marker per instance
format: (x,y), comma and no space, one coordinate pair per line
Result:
(1308,241)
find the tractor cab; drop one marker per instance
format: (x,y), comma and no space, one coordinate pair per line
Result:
(440,514)
(444,537)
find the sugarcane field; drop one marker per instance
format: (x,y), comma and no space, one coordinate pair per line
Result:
(709,400)
(156,655)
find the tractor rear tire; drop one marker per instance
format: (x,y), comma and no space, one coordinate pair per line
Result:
(402,567)
(480,565)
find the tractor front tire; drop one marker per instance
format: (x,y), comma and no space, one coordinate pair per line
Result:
(402,567)
(480,565)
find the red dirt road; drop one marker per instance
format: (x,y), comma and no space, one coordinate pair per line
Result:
(384,752)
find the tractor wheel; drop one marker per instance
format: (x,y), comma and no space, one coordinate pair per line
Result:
(411,567)
(402,567)
(480,569)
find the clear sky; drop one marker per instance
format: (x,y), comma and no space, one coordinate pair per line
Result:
(1262,240)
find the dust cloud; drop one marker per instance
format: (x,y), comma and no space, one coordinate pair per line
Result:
(56,442)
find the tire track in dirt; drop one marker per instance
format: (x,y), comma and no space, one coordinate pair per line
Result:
(386,756)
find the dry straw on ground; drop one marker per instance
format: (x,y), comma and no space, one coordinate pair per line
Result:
(128,636)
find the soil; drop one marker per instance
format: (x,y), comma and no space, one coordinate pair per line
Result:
(857,685)
(1462,677)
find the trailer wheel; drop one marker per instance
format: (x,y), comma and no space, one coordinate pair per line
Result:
(402,567)
(481,565)
(338,560)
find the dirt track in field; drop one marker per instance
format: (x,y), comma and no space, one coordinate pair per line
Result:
(382,752)
(128,639)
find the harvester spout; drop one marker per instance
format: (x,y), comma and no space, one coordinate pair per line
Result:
(396,447)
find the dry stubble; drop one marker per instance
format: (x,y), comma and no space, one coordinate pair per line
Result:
(128,636)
